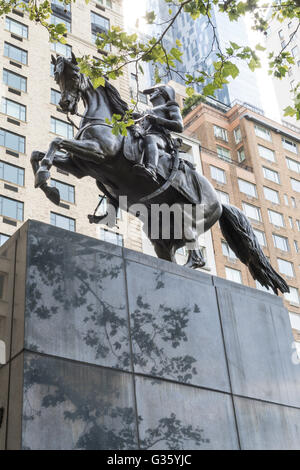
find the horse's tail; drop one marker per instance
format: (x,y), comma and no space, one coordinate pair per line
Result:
(240,237)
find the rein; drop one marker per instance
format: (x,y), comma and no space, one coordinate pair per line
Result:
(175,165)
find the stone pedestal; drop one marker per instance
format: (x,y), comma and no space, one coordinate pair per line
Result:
(111,349)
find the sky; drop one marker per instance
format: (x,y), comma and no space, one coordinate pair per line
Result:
(134,9)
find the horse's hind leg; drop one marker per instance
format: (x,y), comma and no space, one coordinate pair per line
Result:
(195,259)
(165,250)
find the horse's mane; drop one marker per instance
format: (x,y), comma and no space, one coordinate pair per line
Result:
(119,106)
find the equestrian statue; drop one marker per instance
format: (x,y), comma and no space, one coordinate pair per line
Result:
(145,166)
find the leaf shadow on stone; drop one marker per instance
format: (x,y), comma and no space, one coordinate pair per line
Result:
(103,426)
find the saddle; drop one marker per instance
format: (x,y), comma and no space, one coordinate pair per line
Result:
(187,181)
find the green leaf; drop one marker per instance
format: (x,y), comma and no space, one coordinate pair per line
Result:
(190,91)
(289,111)
(98,81)
(258,47)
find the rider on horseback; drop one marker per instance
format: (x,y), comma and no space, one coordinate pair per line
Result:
(155,130)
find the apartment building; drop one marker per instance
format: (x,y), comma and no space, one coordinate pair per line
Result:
(285,36)
(254,164)
(30,119)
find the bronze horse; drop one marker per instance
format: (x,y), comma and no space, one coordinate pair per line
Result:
(96,152)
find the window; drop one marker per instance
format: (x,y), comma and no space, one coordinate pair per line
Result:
(237,135)
(62,221)
(295,321)
(57,20)
(296,246)
(251,211)
(280,34)
(100,24)
(247,188)
(271,175)
(12,141)
(14,80)
(62,49)
(11,208)
(295,185)
(218,174)
(66,7)
(108,3)
(291,222)
(281,243)
(298,224)
(227,251)
(233,275)
(289,145)
(223,197)
(182,251)
(241,154)
(16,27)
(15,53)
(292,296)
(271,195)
(67,191)
(285,267)
(276,218)
(103,209)
(61,128)
(111,237)
(260,237)
(295,51)
(293,202)
(266,153)
(3,238)
(13,109)
(293,165)
(286,199)
(223,153)
(263,288)
(55,97)
(263,133)
(12,173)
(220,133)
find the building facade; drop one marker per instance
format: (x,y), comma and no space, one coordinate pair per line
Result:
(254,164)
(285,36)
(30,119)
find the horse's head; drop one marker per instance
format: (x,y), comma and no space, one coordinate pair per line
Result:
(71,82)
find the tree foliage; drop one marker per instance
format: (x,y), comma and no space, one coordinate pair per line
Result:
(128,48)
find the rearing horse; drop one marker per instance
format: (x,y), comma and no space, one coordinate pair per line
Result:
(96,152)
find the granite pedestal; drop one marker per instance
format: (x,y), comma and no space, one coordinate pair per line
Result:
(107,348)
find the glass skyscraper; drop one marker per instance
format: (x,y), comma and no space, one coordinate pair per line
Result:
(200,49)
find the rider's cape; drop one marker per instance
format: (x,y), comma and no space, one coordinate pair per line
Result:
(187,180)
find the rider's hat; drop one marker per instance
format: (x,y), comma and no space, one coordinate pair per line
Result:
(167,91)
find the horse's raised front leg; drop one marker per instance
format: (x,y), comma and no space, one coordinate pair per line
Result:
(85,149)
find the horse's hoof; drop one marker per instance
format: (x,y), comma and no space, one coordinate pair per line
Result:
(41,178)
(52,194)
